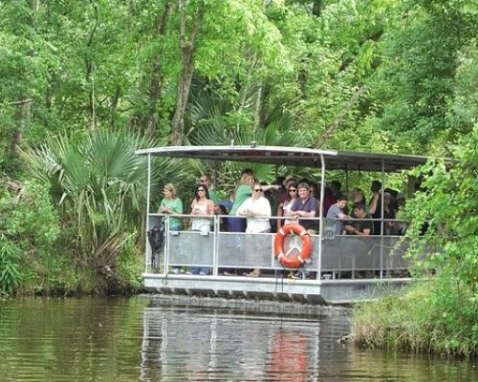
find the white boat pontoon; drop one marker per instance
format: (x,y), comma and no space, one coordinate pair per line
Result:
(341,268)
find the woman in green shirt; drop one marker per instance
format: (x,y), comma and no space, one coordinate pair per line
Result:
(244,191)
(171,205)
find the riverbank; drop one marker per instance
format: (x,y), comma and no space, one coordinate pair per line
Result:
(438,316)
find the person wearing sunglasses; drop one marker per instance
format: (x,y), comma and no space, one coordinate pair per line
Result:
(286,205)
(257,210)
(207,181)
(201,208)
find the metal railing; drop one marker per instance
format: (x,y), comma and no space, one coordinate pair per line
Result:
(332,256)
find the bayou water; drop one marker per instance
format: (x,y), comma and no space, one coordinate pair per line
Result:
(134,339)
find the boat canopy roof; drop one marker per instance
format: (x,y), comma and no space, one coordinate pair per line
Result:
(292,156)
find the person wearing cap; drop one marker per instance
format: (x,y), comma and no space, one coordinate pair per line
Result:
(400,202)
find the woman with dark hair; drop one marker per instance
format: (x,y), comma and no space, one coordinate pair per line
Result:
(287,204)
(201,207)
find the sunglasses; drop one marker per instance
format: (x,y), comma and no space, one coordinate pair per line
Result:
(292,190)
(258,190)
(201,190)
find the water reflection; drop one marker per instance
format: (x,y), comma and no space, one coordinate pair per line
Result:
(117,339)
(185,344)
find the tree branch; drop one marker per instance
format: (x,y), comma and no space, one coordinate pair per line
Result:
(20,102)
(330,129)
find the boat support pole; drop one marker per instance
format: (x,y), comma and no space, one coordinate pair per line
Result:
(382,224)
(148,191)
(321,212)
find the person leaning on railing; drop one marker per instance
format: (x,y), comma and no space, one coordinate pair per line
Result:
(171,205)
(201,208)
(243,191)
(257,210)
(305,206)
(362,225)
(336,211)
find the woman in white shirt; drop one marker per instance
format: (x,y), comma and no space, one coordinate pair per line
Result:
(202,207)
(257,209)
(287,205)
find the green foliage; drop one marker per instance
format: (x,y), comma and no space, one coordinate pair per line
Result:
(100,183)
(10,275)
(438,314)
(29,229)
(421,57)
(130,266)
(448,207)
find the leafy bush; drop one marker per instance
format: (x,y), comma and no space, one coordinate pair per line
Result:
(10,275)
(29,227)
(439,314)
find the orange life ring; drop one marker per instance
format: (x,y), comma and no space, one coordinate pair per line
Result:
(296,261)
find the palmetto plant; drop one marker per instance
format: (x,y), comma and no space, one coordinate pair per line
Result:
(217,121)
(101,186)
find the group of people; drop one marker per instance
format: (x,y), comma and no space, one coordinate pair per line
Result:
(252,204)
(365,220)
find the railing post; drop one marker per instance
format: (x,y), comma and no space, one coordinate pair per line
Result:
(215,247)
(167,244)
(146,247)
(382,225)
(321,217)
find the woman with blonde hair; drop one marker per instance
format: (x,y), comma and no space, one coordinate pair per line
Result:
(171,205)
(244,191)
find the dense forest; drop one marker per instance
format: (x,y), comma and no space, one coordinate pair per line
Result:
(84,83)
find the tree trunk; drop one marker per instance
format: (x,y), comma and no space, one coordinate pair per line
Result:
(22,115)
(187,70)
(257,111)
(317,8)
(89,75)
(157,75)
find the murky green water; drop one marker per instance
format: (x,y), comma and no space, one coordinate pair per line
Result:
(117,339)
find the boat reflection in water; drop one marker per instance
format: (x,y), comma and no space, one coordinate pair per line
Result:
(196,344)
(199,343)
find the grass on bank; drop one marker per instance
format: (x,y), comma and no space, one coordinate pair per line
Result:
(439,315)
